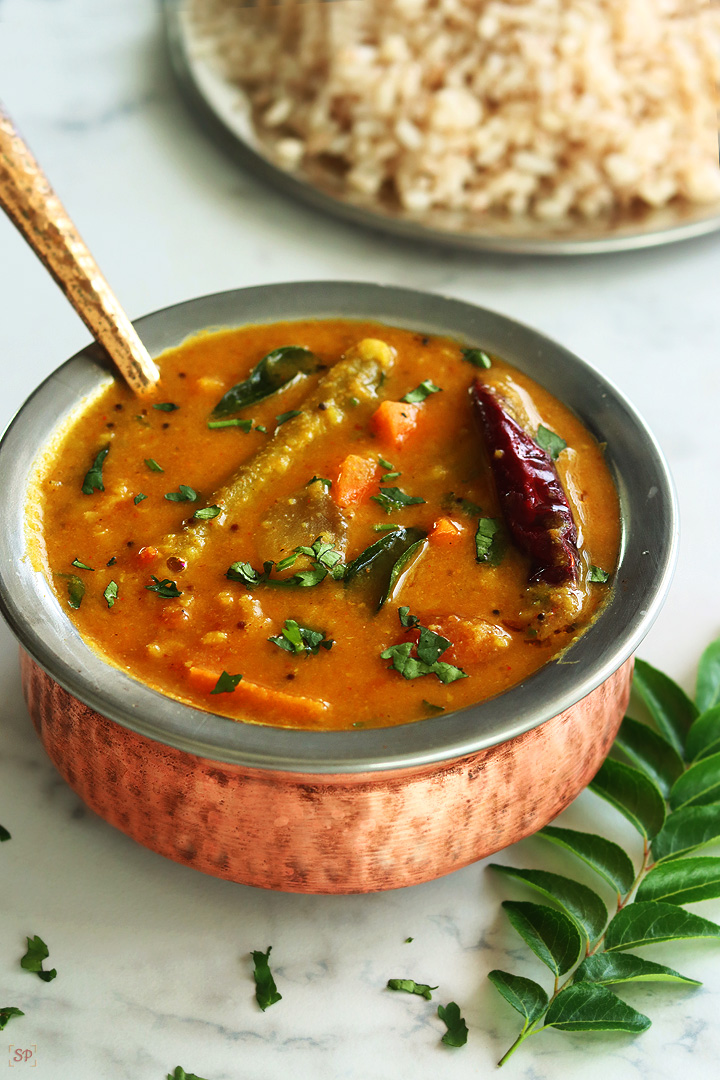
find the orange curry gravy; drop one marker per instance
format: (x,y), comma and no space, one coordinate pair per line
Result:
(500,628)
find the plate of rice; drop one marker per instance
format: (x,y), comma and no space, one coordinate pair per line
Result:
(529,126)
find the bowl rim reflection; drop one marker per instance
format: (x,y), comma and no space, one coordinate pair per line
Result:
(647,558)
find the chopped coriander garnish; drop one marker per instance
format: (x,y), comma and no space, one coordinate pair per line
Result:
(410,986)
(433,708)
(139,498)
(6,1014)
(111,562)
(75,589)
(81,565)
(93,477)
(457,1032)
(141,420)
(166,589)
(297,639)
(393,498)
(424,390)
(407,942)
(226,683)
(477,357)
(183,494)
(285,416)
(4,834)
(353,402)
(37,951)
(451,501)
(429,649)
(206,513)
(111,593)
(327,484)
(385,463)
(549,441)
(324,560)
(166,406)
(382,527)
(266,992)
(489,541)
(261,427)
(389,476)
(244,425)
(598,575)
(153,465)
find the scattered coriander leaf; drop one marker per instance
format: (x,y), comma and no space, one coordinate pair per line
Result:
(141,420)
(650,752)
(153,465)
(297,639)
(183,494)
(111,593)
(75,589)
(207,513)
(139,498)
(37,951)
(244,573)
(392,498)
(526,997)
(226,684)
(707,689)
(389,476)
(406,619)
(699,785)
(618,967)
(6,1014)
(550,442)
(111,562)
(649,922)
(685,831)
(385,463)
(584,906)
(266,992)
(424,390)
(591,1007)
(244,425)
(407,942)
(4,834)
(605,857)
(411,668)
(457,1032)
(598,576)
(81,565)
(410,986)
(93,477)
(285,416)
(166,406)
(383,527)
(552,935)
(166,589)
(262,428)
(670,707)
(489,541)
(685,881)
(477,357)
(433,708)
(704,735)
(327,484)
(451,501)
(277,369)
(633,794)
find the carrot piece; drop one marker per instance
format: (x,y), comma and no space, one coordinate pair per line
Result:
(355,480)
(393,421)
(147,555)
(264,701)
(445,531)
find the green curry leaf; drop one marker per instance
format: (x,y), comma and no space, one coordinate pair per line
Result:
(276,370)
(94,476)
(266,992)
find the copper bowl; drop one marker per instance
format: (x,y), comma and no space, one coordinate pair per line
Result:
(352,811)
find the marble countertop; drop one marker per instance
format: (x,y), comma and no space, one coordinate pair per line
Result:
(153,957)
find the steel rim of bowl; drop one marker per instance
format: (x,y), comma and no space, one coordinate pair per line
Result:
(647,560)
(666,227)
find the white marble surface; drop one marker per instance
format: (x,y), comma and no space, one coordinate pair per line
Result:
(153,957)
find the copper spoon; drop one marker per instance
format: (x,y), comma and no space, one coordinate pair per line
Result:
(32,205)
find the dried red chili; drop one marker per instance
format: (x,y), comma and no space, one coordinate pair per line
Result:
(534,504)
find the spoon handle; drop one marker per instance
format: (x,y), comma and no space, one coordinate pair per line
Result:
(32,205)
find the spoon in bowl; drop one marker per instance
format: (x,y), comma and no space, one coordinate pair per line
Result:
(32,205)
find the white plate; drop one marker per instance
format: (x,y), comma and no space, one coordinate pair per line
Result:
(223,109)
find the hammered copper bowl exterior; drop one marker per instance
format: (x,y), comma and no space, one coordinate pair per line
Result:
(329,833)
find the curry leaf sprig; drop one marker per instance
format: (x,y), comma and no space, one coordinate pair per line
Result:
(670,793)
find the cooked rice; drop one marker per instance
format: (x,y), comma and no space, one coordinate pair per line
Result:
(540,107)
